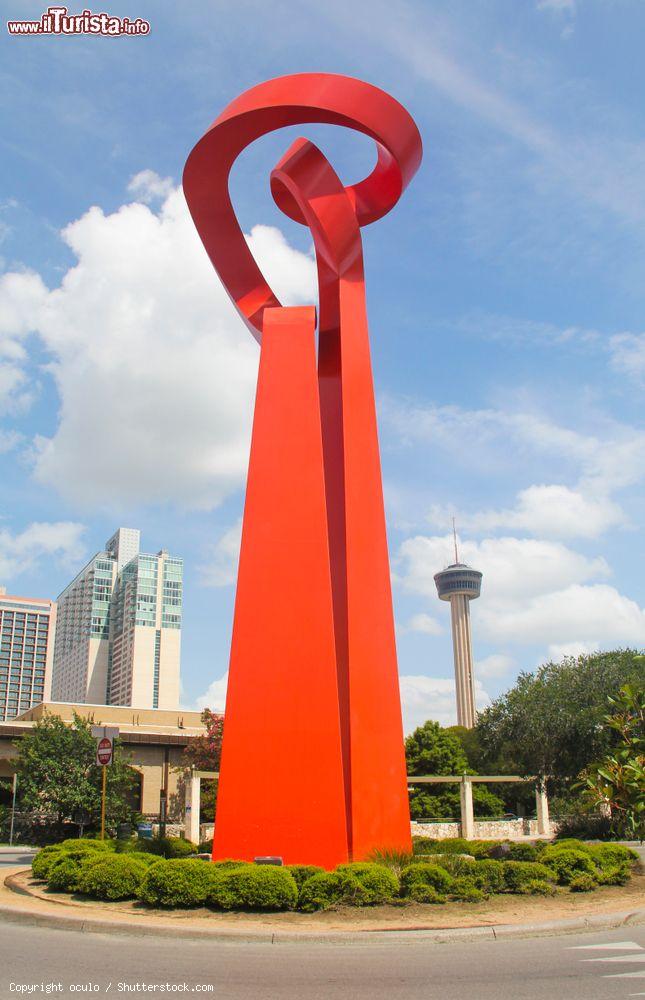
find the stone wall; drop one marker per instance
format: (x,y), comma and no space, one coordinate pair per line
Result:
(506,829)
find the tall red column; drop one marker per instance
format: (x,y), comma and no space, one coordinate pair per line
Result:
(313,765)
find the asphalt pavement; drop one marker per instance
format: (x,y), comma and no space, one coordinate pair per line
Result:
(10,857)
(592,966)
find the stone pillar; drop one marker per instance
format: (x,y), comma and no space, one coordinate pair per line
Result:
(542,805)
(467,812)
(192,805)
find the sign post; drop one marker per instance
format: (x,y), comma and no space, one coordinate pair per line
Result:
(105,737)
(13,807)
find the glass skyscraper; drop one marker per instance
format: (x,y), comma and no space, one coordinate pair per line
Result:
(119,637)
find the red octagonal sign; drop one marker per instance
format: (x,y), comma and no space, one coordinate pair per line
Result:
(104,751)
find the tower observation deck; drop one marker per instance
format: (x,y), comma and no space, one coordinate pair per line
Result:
(460,584)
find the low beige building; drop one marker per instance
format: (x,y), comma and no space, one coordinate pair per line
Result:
(154,738)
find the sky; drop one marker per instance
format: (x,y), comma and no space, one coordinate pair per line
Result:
(505,298)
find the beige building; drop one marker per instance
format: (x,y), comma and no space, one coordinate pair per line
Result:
(119,629)
(155,740)
(27,629)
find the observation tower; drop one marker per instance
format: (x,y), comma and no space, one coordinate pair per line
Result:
(461,584)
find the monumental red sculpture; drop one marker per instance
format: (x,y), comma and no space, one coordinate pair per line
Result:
(313,764)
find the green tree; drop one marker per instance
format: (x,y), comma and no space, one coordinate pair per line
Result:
(433,750)
(618,780)
(550,723)
(204,754)
(59,780)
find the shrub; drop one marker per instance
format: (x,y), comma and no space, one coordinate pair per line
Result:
(320,892)
(43,861)
(567,862)
(569,843)
(538,887)
(619,875)
(465,890)
(254,887)
(300,873)
(421,893)
(391,858)
(229,863)
(609,856)
(177,882)
(368,884)
(451,845)
(65,872)
(523,852)
(518,873)
(85,844)
(488,875)
(167,847)
(117,877)
(423,874)
(582,883)
(423,845)
(205,846)
(454,864)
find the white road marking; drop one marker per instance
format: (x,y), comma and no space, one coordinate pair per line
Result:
(618,958)
(618,946)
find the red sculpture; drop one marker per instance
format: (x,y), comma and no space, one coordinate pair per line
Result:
(313,764)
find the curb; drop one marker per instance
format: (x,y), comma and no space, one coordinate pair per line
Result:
(490,932)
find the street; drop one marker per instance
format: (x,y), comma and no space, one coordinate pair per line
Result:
(10,857)
(594,966)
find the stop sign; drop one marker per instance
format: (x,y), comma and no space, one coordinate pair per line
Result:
(104,751)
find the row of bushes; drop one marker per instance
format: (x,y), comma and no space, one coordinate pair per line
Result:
(95,869)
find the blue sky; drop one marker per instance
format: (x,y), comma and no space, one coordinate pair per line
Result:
(505,296)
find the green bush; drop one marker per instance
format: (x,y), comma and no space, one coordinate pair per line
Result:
(205,846)
(320,892)
(423,874)
(43,861)
(367,884)
(488,875)
(619,875)
(300,873)
(454,864)
(451,845)
(65,872)
(518,873)
(538,887)
(523,852)
(166,847)
(227,864)
(567,862)
(465,890)
(582,883)
(85,844)
(609,856)
(178,882)
(569,843)
(423,845)
(117,877)
(254,887)
(421,893)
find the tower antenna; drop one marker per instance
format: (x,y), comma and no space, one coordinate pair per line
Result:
(454,535)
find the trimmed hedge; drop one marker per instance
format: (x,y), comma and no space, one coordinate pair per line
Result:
(65,873)
(488,875)
(320,892)
(300,873)
(117,877)
(582,883)
(465,890)
(424,874)
(181,882)
(518,874)
(86,844)
(254,887)
(43,861)
(367,884)
(523,852)
(166,847)
(421,893)
(230,863)
(567,862)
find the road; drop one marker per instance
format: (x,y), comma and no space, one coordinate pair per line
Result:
(10,857)
(597,966)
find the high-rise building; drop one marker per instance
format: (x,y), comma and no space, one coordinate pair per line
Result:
(119,629)
(27,627)
(460,585)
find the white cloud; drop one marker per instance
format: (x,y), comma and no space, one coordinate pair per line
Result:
(424,698)
(628,355)
(214,697)
(61,540)
(534,592)
(148,186)
(422,623)
(21,294)
(557,651)
(155,370)
(495,665)
(221,569)
(559,6)
(550,511)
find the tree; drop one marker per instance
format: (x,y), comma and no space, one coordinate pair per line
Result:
(58,777)
(617,781)
(550,724)
(433,750)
